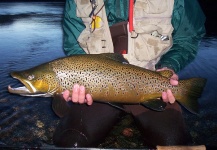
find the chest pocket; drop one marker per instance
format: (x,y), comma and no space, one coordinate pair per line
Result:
(152,22)
(96,37)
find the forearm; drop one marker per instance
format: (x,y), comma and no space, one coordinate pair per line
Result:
(188,22)
(181,54)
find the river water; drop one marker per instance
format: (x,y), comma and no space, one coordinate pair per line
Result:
(30,34)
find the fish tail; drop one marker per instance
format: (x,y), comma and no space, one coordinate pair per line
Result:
(191,92)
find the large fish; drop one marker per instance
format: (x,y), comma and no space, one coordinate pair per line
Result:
(108,78)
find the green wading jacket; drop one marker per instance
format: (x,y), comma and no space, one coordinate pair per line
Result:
(187,20)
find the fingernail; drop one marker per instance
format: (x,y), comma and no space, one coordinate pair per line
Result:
(75,87)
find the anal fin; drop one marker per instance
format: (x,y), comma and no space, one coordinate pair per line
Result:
(155,104)
(117,105)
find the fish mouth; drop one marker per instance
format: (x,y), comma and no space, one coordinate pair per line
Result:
(23,91)
(27,90)
(19,90)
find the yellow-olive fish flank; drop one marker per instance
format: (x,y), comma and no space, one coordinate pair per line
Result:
(108,78)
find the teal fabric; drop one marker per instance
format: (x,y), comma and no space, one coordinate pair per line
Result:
(72,27)
(188,22)
(116,11)
(187,19)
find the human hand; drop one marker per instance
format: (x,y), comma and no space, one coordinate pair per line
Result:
(168,96)
(78,95)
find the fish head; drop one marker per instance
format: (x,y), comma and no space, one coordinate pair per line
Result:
(37,81)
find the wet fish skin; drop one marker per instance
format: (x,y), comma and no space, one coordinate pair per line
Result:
(108,78)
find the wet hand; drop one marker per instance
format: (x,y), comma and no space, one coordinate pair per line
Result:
(168,96)
(78,95)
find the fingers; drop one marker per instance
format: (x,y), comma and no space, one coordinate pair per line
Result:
(89,99)
(81,95)
(66,95)
(168,96)
(75,93)
(164,96)
(174,82)
(78,95)
(174,79)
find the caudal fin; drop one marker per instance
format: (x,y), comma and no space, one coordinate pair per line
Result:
(191,92)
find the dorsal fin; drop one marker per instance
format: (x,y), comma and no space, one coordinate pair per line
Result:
(116,57)
(166,73)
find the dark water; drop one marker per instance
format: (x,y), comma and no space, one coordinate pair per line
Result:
(30,34)
(203,127)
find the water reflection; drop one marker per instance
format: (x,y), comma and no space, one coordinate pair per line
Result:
(34,36)
(205,65)
(30,34)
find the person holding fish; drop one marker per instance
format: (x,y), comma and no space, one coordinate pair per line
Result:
(152,34)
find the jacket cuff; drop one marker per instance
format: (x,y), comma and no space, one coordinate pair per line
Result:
(169,64)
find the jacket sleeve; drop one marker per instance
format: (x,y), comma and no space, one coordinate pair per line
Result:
(72,27)
(188,22)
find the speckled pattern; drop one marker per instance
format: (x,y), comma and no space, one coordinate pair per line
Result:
(106,79)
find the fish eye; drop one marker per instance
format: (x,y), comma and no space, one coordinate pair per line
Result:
(30,77)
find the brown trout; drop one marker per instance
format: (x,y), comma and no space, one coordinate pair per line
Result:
(108,78)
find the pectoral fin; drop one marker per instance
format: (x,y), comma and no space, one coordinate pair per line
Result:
(60,106)
(155,104)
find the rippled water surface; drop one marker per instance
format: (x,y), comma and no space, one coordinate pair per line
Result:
(30,34)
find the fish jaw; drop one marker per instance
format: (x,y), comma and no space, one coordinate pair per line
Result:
(19,90)
(23,91)
(27,90)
